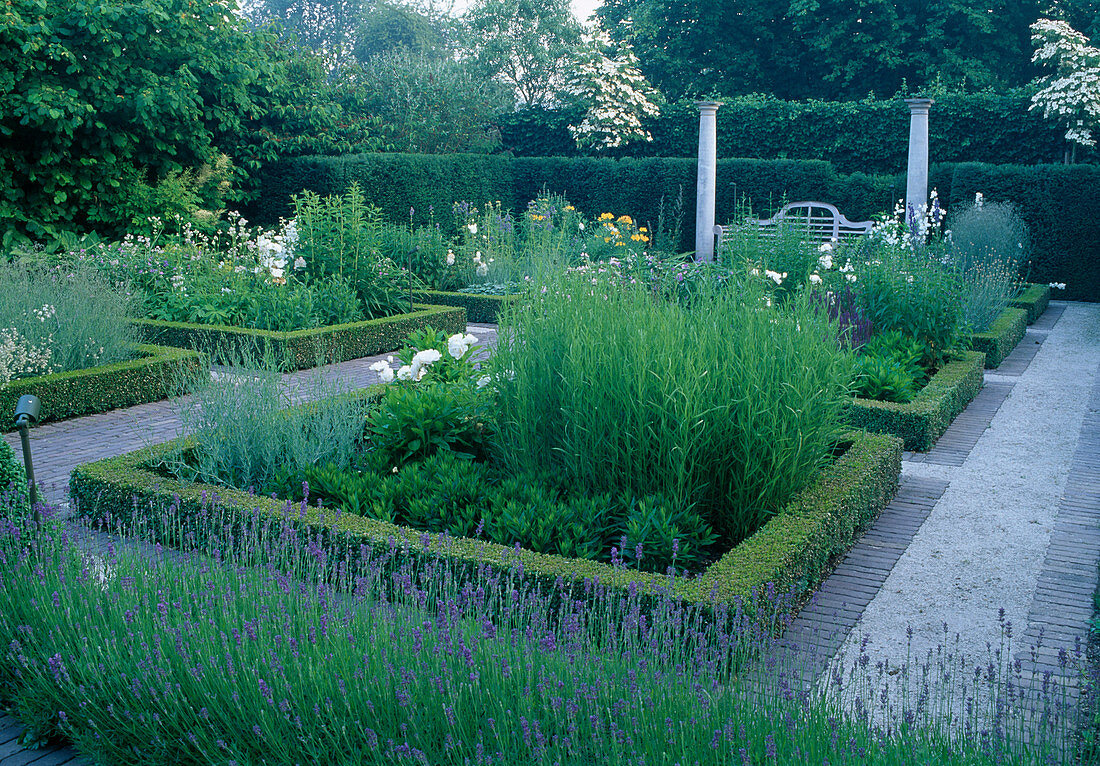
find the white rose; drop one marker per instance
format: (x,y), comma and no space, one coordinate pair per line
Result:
(815,279)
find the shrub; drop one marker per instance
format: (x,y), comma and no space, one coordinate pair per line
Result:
(988,245)
(60,319)
(14,500)
(706,404)
(245,433)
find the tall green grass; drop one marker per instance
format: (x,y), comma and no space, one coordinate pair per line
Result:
(727,405)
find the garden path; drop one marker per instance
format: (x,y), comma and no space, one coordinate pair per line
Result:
(1002,514)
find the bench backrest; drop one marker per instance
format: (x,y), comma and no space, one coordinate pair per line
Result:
(822,221)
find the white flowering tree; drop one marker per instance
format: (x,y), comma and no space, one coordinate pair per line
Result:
(607,81)
(1072,93)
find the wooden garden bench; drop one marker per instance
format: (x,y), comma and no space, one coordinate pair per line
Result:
(822,221)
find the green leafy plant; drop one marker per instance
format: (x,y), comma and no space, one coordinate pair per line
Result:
(415,421)
(656,535)
(988,244)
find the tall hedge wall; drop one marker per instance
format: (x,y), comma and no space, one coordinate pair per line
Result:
(1059,202)
(869,136)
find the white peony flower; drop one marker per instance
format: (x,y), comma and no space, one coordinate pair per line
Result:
(482,270)
(405,373)
(457,345)
(825,248)
(825,262)
(775,276)
(386,374)
(450,257)
(472,228)
(815,279)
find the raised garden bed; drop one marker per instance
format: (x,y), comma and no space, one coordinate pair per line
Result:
(302,349)
(922,421)
(795,550)
(156,373)
(481,309)
(1002,336)
(1033,299)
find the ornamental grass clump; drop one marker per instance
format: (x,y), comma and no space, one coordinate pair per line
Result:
(255,643)
(727,404)
(988,244)
(58,319)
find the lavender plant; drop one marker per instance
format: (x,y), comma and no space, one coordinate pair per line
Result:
(278,648)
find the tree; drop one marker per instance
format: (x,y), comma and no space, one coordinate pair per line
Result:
(324,27)
(525,44)
(826,49)
(606,80)
(94,91)
(387,26)
(1072,93)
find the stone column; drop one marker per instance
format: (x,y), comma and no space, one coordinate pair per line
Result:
(916,181)
(707,180)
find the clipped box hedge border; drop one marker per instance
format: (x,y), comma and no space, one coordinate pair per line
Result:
(795,549)
(1002,336)
(1034,299)
(480,309)
(923,420)
(157,373)
(302,349)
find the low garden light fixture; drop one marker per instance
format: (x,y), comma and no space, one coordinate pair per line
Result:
(26,415)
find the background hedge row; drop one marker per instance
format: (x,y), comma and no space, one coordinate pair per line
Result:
(869,135)
(1059,202)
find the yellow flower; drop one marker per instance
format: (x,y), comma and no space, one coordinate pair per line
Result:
(606,217)
(607,239)
(643,230)
(625,219)
(570,207)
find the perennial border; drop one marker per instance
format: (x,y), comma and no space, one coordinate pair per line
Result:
(794,550)
(303,349)
(1002,336)
(922,421)
(155,374)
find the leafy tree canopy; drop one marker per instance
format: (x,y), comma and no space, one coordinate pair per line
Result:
(526,44)
(829,49)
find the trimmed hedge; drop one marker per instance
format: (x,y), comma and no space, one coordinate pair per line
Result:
(1034,299)
(870,135)
(156,374)
(795,549)
(480,309)
(923,420)
(1002,336)
(302,349)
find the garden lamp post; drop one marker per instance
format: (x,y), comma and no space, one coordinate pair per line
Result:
(26,415)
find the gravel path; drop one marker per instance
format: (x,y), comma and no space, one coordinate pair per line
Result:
(983,546)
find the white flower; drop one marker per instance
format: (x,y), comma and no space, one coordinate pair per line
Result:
(386,374)
(405,373)
(815,279)
(277,272)
(1058,285)
(580,225)
(483,381)
(847,267)
(826,247)
(450,257)
(850,277)
(299,263)
(775,276)
(979,200)
(482,270)
(427,356)
(457,345)
(379,366)
(825,261)
(472,228)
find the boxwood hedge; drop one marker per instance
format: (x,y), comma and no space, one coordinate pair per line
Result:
(794,550)
(923,420)
(481,309)
(301,349)
(155,373)
(1034,299)
(1002,336)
